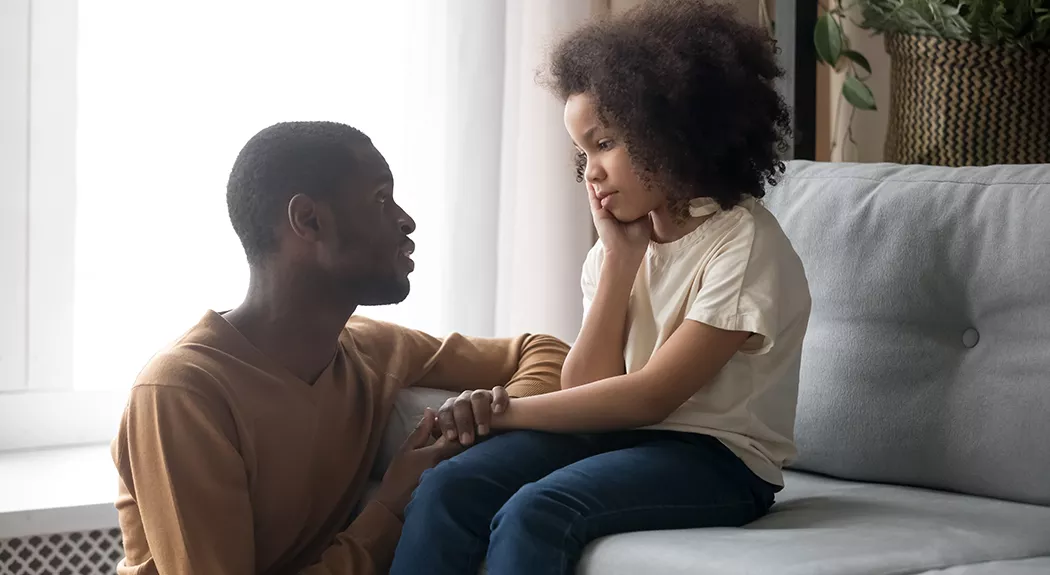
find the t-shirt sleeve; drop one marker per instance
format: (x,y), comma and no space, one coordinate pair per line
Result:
(738,289)
(589,277)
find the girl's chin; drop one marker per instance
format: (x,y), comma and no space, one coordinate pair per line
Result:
(627,216)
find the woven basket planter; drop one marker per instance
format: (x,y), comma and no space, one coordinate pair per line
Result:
(958,103)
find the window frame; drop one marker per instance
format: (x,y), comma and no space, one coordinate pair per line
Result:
(38,109)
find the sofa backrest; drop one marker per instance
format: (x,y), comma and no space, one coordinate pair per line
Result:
(927,361)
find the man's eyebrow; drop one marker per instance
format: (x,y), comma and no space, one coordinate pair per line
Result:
(384,177)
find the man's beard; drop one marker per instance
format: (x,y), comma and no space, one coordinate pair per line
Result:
(386,291)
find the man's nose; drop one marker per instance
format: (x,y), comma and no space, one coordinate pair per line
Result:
(405,222)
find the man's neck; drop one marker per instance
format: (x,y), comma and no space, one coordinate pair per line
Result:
(294,327)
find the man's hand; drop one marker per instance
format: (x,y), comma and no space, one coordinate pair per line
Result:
(415,457)
(461,417)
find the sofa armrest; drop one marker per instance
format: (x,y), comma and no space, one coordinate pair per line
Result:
(408,408)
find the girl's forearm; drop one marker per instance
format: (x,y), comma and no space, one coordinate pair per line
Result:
(611,404)
(598,351)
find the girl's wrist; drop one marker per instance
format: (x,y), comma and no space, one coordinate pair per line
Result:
(504,420)
(620,268)
(621,265)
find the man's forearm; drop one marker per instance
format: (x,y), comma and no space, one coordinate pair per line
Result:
(598,351)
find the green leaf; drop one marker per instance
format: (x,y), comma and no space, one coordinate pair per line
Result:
(858,94)
(827,38)
(858,59)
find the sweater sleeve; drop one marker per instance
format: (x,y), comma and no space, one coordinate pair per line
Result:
(365,548)
(525,365)
(183,480)
(182,475)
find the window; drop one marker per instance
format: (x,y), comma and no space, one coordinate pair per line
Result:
(121,121)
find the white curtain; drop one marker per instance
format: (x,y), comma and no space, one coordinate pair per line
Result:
(521,272)
(168,92)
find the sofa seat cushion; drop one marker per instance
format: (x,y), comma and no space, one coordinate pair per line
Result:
(822,525)
(1032,566)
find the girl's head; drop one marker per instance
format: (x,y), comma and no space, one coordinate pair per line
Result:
(671,101)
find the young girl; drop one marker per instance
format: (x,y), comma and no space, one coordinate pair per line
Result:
(678,398)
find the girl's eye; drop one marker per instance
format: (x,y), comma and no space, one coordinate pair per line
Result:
(381,199)
(605,145)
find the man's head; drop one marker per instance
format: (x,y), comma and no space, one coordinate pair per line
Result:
(316,199)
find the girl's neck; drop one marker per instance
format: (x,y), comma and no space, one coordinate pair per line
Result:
(667,228)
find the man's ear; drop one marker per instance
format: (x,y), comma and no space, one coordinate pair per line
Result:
(304,218)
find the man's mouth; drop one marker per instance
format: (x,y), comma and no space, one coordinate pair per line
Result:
(406,251)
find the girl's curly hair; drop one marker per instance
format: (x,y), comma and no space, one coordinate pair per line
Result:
(692,89)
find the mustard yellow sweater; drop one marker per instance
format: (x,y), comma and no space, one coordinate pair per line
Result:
(231,465)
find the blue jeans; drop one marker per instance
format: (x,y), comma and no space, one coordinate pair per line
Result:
(529,502)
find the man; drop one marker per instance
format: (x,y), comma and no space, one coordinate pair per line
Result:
(246,445)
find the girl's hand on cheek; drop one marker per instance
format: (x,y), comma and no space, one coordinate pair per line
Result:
(621,240)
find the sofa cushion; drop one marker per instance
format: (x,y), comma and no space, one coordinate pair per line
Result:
(408,409)
(1033,566)
(927,360)
(823,525)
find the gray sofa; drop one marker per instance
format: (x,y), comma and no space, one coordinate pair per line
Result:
(924,395)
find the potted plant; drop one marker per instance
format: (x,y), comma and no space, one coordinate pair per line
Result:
(970,79)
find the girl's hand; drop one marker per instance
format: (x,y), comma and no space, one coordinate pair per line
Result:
(622,240)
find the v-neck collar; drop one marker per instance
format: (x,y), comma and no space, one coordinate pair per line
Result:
(234,342)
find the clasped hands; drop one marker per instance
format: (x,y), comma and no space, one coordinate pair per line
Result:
(468,417)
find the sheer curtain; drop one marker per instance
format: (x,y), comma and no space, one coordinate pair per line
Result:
(169,92)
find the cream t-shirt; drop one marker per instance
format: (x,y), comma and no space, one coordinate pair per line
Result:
(736,271)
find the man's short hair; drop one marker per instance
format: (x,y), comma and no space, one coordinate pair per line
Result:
(285,159)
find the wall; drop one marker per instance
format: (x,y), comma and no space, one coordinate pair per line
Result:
(869,127)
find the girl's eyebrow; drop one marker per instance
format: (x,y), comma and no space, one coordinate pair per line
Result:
(587,135)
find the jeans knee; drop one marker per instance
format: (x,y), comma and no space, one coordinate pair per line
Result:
(440,488)
(536,509)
